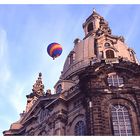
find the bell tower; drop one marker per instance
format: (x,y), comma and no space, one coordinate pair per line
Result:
(94,23)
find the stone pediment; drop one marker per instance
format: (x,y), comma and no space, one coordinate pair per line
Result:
(33,112)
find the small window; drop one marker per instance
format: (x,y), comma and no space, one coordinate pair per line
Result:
(59,89)
(71,58)
(115,80)
(33,101)
(107,45)
(79,129)
(42,115)
(132,55)
(110,54)
(90,27)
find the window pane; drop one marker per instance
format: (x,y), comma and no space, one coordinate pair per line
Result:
(109,54)
(79,129)
(115,80)
(121,121)
(59,89)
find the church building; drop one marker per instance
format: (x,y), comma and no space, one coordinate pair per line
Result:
(97,94)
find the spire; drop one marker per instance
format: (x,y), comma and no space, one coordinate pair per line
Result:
(95,24)
(38,87)
(37,91)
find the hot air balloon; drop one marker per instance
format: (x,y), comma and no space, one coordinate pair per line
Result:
(54,50)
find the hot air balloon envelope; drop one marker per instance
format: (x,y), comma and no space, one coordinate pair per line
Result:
(54,50)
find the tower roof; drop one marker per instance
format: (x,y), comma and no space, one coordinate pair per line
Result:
(94,14)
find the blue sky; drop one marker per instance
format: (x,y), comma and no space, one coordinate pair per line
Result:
(25,32)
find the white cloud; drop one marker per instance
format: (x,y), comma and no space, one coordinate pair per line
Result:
(12,90)
(3,43)
(5,75)
(16,98)
(133,27)
(4,70)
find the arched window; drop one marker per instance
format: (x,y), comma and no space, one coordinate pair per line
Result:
(132,55)
(110,54)
(44,113)
(33,101)
(121,121)
(90,27)
(79,129)
(59,89)
(114,80)
(71,57)
(107,44)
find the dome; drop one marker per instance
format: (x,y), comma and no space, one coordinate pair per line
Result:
(79,57)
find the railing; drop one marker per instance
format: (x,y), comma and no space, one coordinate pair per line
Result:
(84,63)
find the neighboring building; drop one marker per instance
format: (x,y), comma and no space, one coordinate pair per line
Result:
(98,92)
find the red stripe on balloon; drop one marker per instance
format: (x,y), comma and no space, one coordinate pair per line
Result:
(55,49)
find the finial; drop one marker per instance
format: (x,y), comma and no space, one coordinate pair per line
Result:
(94,10)
(40,74)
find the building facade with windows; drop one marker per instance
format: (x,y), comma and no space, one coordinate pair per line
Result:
(98,92)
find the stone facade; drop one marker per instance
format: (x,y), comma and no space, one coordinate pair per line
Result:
(98,92)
